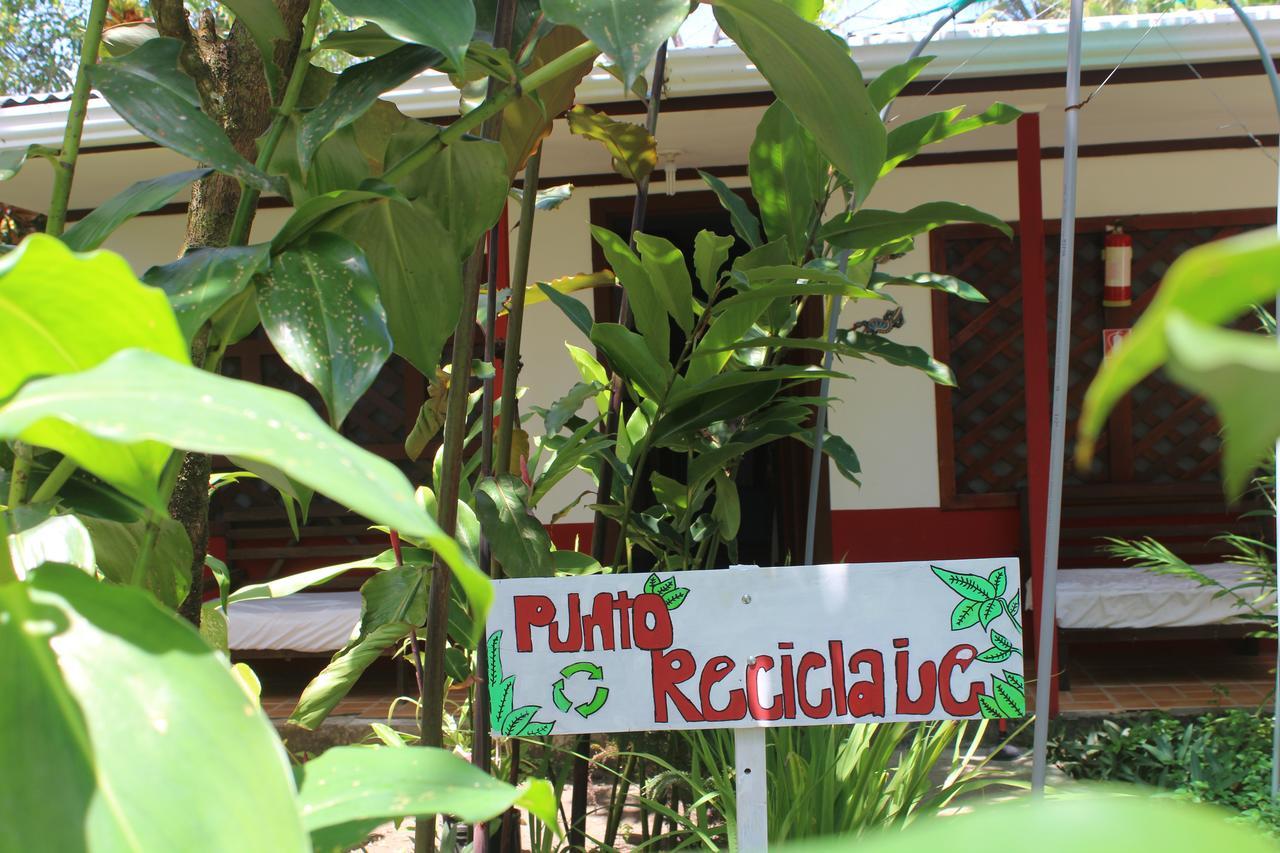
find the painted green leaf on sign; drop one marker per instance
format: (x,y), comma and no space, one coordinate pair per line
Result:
(148,91)
(131,399)
(989,610)
(446,25)
(1000,641)
(90,232)
(965,614)
(204,280)
(628,31)
(817,79)
(987,705)
(62,312)
(319,304)
(108,745)
(972,587)
(519,541)
(1009,699)
(994,655)
(675,597)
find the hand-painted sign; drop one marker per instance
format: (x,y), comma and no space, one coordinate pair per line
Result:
(742,647)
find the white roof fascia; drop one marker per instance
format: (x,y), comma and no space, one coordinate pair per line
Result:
(995,49)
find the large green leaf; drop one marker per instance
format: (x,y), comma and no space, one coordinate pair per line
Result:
(630,355)
(419,276)
(446,25)
(839,452)
(326,211)
(351,785)
(633,149)
(319,305)
(34,540)
(519,541)
(788,178)
(906,141)
(298,581)
(885,88)
(869,230)
(61,312)
(745,223)
(669,276)
(203,280)
(933,281)
(90,232)
(147,90)
(903,355)
(110,702)
(465,186)
(815,76)
(136,396)
(628,31)
(392,604)
(1214,283)
(527,121)
(577,313)
(167,573)
(646,306)
(262,19)
(1239,373)
(355,91)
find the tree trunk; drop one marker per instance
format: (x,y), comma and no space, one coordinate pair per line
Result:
(233,91)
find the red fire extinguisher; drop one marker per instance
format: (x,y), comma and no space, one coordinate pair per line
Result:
(1117,285)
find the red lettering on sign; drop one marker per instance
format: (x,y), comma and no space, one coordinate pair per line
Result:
(866,698)
(928,674)
(623,605)
(958,658)
(669,670)
(810,661)
(716,670)
(651,622)
(572,641)
(835,654)
(600,621)
(763,663)
(531,611)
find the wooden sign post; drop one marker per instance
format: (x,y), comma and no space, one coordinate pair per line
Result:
(751,648)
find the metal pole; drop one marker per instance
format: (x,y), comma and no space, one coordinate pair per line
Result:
(833,326)
(1269,66)
(1047,605)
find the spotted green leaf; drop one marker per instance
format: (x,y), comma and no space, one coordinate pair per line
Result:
(446,25)
(628,31)
(90,232)
(204,280)
(319,304)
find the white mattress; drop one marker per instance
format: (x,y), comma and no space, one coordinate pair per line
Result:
(1137,598)
(302,622)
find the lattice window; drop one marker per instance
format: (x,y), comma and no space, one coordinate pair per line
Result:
(1160,434)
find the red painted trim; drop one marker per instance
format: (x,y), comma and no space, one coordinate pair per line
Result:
(885,535)
(572,536)
(1035,356)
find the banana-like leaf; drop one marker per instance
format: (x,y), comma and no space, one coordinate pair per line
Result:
(866,231)
(646,305)
(628,31)
(298,581)
(839,452)
(933,281)
(788,178)
(355,91)
(906,141)
(202,281)
(113,698)
(319,304)
(710,251)
(62,312)
(745,223)
(90,232)
(1214,283)
(632,147)
(814,75)
(446,25)
(578,314)
(669,275)
(630,355)
(885,88)
(520,543)
(147,90)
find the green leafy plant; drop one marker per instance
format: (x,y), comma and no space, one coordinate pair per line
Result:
(672,594)
(504,717)
(982,601)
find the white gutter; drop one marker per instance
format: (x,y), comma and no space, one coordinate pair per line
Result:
(996,49)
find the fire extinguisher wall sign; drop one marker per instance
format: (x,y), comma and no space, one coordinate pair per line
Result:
(1117,286)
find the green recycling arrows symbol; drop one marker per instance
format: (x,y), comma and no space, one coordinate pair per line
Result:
(594,672)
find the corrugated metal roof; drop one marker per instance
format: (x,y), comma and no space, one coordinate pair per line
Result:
(33,99)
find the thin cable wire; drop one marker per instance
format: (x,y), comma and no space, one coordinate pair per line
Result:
(1122,61)
(1235,119)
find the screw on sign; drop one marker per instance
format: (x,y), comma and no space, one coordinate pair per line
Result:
(750,648)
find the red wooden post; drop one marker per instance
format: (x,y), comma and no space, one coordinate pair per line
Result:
(1035,354)
(503,282)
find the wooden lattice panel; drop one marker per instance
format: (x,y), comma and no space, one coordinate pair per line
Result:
(1160,434)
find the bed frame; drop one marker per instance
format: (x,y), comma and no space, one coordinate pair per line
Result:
(1185,517)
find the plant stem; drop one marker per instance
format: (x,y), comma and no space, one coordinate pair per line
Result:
(515,311)
(149,532)
(491,107)
(21,473)
(64,167)
(288,103)
(8,574)
(55,481)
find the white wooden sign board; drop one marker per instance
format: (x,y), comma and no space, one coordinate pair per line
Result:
(747,648)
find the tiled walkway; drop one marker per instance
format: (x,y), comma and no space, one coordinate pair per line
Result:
(1109,681)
